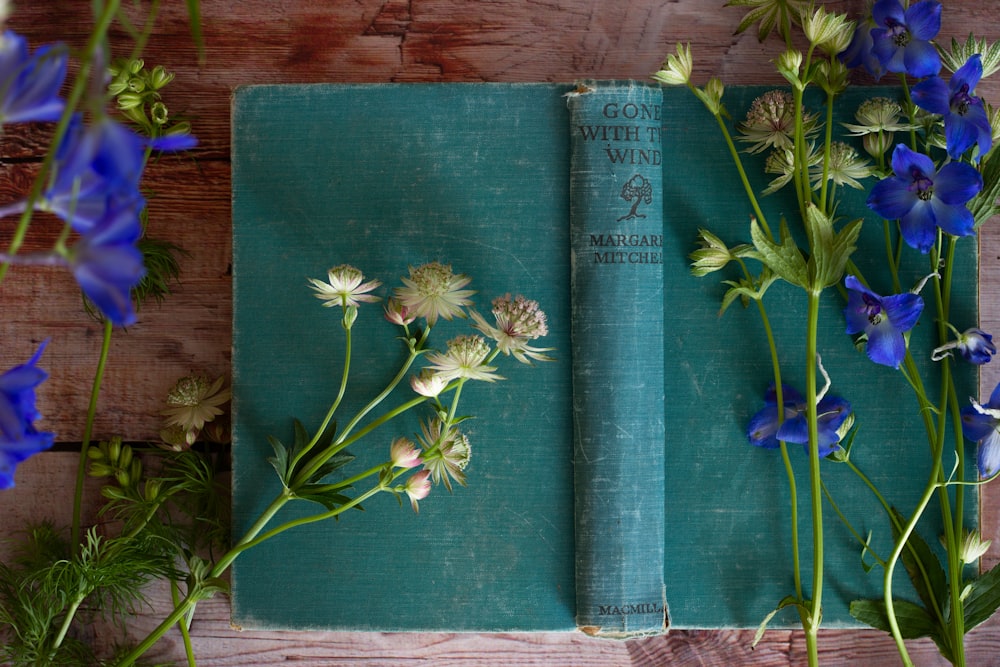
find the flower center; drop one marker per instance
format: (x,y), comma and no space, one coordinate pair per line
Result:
(923,185)
(872,310)
(961,101)
(898,33)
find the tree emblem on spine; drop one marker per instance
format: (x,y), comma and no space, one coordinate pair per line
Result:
(637,190)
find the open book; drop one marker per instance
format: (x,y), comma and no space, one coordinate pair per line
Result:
(613,490)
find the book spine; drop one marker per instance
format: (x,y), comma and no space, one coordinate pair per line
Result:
(616,237)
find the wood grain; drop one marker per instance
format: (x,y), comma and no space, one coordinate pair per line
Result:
(266,41)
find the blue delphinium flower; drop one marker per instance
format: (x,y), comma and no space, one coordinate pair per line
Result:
(965,119)
(883,320)
(922,198)
(18,437)
(764,430)
(859,52)
(107,264)
(29,83)
(981,424)
(901,40)
(975,345)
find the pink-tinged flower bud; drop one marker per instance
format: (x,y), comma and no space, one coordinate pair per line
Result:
(404,454)
(418,486)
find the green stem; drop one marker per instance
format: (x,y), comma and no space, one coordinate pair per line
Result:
(815,481)
(336,401)
(81,468)
(182,624)
(67,622)
(751,195)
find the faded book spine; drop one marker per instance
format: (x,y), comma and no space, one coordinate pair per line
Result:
(616,237)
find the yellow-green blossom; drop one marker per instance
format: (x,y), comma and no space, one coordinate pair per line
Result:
(194,401)
(676,69)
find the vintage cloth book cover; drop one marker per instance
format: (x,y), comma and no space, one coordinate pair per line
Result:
(587,200)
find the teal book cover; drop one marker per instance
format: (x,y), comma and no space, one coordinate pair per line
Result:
(478,176)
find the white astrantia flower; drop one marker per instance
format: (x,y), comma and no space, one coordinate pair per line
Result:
(192,402)
(465,358)
(518,320)
(446,454)
(404,454)
(418,487)
(433,291)
(345,287)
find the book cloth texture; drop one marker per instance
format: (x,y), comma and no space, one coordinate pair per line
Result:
(478,176)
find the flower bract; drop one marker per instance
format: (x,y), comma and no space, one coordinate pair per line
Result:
(446,455)
(882,319)
(765,430)
(901,38)
(966,122)
(923,198)
(19,438)
(981,424)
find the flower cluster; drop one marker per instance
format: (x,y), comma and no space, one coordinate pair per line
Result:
(434,292)
(93,185)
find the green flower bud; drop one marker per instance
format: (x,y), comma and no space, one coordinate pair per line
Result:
(159,113)
(136,84)
(789,63)
(159,77)
(829,32)
(135,65)
(129,101)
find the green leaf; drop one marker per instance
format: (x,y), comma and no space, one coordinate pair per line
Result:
(331,499)
(280,459)
(788,601)
(923,567)
(337,461)
(194,15)
(830,250)
(785,259)
(913,620)
(984,205)
(984,598)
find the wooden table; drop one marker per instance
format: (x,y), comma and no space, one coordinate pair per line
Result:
(272,41)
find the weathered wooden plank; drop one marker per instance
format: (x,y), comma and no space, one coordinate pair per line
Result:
(267,41)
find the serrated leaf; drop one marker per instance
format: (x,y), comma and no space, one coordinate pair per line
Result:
(319,493)
(830,250)
(280,459)
(984,598)
(784,258)
(337,461)
(984,205)
(922,566)
(913,620)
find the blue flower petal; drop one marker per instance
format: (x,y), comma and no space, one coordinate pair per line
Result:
(988,457)
(933,95)
(923,19)
(918,227)
(921,59)
(891,198)
(886,346)
(957,183)
(903,310)
(763,427)
(955,220)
